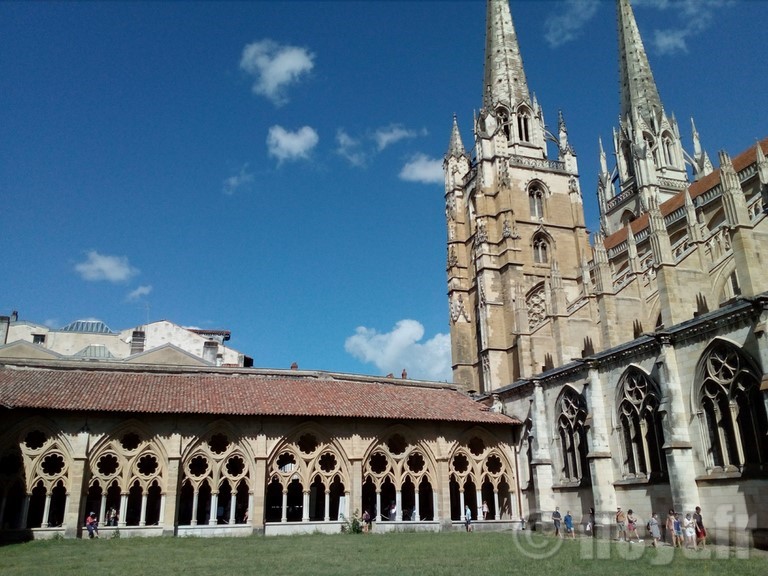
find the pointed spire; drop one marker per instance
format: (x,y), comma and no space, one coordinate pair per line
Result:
(504,79)
(639,94)
(455,147)
(603,158)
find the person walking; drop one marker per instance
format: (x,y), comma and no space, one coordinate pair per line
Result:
(632,526)
(653,524)
(700,531)
(621,524)
(568,521)
(468,518)
(556,518)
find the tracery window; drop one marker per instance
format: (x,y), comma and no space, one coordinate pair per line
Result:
(639,426)
(398,480)
(670,157)
(732,412)
(572,436)
(127,476)
(308,481)
(536,201)
(503,117)
(480,473)
(215,482)
(536,303)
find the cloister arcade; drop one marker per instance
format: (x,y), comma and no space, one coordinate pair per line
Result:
(153,481)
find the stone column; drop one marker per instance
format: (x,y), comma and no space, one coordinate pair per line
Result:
(232,506)
(284,516)
(461,504)
(143,515)
(77,487)
(170,495)
(541,461)
(258,494)
(195,495)
(599,456)
(496,511)
(25,512)
(102,508)
(378,506)
(677,439)
(214,508)
(398,506)
(327,515)
(46,510)
(123,508)
(305,506)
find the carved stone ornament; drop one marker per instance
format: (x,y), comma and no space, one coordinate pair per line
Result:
(453,260)
(458,310)
(482,233)
(450,208)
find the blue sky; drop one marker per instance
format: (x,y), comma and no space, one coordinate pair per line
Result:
(272,168)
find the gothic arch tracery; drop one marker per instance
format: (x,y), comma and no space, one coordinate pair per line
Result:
(730,410)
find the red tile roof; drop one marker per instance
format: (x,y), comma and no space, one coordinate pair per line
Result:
(695,189)
(71,386)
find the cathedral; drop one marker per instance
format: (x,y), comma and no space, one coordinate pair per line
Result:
(637,361)
(623,369)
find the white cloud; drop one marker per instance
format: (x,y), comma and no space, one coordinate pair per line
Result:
(285,145)
(696,16)
(391,134)
(274,67)
(139,292)
(102,267)
(349,148)
(239,180)
(569,21)
(400,349)
(421,168)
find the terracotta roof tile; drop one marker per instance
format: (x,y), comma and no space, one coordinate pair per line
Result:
(695,189)
(233,393)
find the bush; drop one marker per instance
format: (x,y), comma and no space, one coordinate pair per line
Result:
(352,525)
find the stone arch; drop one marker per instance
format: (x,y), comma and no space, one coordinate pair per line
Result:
(399,468)
(538,193)
(727,402)
(309,471)
(638,424)
(216,477)
(570,435)
(480,473)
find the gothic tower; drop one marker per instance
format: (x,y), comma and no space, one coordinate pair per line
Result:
(650,160)
(516,232)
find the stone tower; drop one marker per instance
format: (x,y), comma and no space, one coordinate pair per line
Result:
(517,241)
(651,162)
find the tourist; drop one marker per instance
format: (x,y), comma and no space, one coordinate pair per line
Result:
(700,531)
(653,525)
(468,518)
(393,511)
(678,534)
(366,521)
(632,526)
(568,521)
(556,517)
(669,528)
(689,529)
(590,527)
(621,524)
(112,517)
(485,510)
(92,525)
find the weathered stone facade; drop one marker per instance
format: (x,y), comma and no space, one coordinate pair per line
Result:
(637,363)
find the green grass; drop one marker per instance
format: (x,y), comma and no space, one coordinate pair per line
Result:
(424,554)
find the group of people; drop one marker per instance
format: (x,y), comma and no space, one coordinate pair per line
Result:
(681,531)
(567,522)
(688,531)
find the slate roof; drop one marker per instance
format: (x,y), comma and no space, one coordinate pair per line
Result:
(72,387)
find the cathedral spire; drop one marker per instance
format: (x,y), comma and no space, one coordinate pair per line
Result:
(504,80)
(639,95)
(456,146)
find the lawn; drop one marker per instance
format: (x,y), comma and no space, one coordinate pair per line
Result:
(374,554)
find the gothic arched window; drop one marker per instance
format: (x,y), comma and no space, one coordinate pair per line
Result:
(732,412)
(572,436)
(523,125)
(503,118)
(640,430)
(536,201)
(540,249)
(670,157)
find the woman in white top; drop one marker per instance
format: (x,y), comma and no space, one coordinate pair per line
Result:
(689,531)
